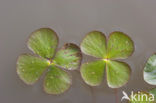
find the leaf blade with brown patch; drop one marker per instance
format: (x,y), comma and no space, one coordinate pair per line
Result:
(69,57)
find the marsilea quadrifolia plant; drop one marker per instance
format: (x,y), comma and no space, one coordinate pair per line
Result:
(118,46)
(43,42)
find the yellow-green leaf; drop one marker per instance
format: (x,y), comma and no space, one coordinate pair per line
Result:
(30,68)
(94,44)
(120,46)
(93,72)
(43,42)
(118,73)
(69,57)
(56,81)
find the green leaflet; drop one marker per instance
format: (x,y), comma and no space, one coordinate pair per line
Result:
(93,72)
(118,73)
(120,46)
(30,68)
(43,42)
(56,81)
(94,44)
(150,70)
(69,57)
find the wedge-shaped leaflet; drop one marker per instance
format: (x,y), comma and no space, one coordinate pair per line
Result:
(43,42)
(118,73)
(69,57)
(30,68)
(150,70)
(94,44)
(56,81)
(93,72)
(120,46)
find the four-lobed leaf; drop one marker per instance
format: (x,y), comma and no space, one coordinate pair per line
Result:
(44,42)
(119,46)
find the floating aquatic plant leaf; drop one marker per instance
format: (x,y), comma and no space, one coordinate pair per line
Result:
(56,81)
(141,97)
(150,70)
(43,42)
(30,68)
(69,57)
(94,44)
(118,73)
(120,46)
(93,72)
